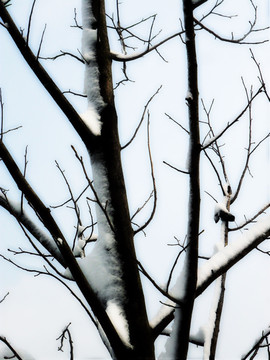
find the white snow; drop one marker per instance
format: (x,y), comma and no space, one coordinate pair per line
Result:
(170,343)
(189,96)
(220,206)
(78,250)
(91,78)
(217,261)
(89,39)
(118,319)
(59,241)
(233,250)
(102,266)
(91,119)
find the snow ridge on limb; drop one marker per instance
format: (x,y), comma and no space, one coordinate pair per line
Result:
(224,259)
(95,101)
(219,263)
(102,267)
(41,236)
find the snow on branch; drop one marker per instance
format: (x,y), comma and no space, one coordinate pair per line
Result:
(91,116)
(23,219)
(224,259)
(217,265)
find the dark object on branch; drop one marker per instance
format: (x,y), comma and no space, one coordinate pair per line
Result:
(222,213)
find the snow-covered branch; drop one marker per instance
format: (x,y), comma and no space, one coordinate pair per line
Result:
(22,218)
(217,265)
(224,259)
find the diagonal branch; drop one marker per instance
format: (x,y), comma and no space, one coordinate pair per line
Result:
(221,262)
(23,219)
(141,121)
(29,22)
(11,348)
(251,219)
(214,139)
(46,80)
(121,57)
(70,261)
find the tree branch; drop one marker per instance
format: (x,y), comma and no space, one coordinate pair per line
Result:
(72,115)
(11,348)
(214,139)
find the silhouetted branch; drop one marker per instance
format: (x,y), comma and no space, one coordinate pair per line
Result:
(4,297)
(153,181)
(126,58)
(254,350)
(72,115)
(29,22)
(62,53)
(251,219)
(159,288)
(173,167)
(177,123)
(241,39)
(11,348)
(142,118)
(214,139)
(62,338)
(90,183)
(41,41)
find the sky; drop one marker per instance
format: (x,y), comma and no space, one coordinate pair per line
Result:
(38,308)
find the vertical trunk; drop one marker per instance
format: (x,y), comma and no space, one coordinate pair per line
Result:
(180,334)
(190,279)
(109,182)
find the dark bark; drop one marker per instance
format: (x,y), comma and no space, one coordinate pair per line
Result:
(220,303)
(186,309)
(107,150)
(44,78)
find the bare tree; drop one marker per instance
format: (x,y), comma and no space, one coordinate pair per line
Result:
(105,277)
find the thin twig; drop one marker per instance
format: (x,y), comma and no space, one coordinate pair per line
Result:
(29,22)
(41,40)
(153,180)
(238,117)
(257,346)
(93,189)
(177,123)
(251,219)
(142,118)
(7,343)
(62,337)
(173,167)
(4,297)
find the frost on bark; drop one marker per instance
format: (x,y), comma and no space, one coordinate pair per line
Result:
(114,250)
